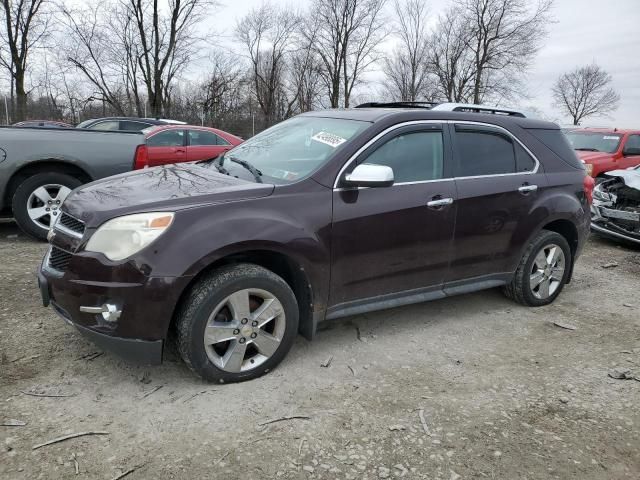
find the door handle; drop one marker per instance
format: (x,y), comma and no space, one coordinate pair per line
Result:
(525,189)
(439,202)
(179,150)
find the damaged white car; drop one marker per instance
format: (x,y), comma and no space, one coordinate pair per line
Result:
(616,205)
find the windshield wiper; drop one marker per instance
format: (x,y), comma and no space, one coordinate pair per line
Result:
(257,174)
(585,149)
(217,162)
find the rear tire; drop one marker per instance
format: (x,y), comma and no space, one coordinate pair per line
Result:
(543,270)
(31,199)
(237,323)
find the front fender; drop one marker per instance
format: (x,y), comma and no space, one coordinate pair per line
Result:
(296,224)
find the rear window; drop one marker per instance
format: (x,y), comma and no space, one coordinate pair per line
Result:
(557,142)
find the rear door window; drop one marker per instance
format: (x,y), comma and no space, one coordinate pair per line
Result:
(524,161)
(203,137)
(483,152)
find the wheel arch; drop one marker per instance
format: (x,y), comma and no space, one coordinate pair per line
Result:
(42,166)
(283,265)
(568,229)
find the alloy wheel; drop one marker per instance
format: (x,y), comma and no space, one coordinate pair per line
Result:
(43,205)
(547,271)
(244,330)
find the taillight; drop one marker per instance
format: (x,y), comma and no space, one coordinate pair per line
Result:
(141,159)
(588,184)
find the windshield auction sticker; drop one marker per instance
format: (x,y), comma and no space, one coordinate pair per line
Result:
(329,139)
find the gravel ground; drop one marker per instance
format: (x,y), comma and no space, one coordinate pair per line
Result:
(468,387)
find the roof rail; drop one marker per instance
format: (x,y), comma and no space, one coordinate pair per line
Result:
(471,108)
(427,105)
(451,107)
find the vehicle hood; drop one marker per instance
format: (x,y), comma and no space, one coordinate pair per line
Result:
(631,178)
(591,157)
(169,187)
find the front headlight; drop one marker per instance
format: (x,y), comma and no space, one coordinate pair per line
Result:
(589,168)
(122,237)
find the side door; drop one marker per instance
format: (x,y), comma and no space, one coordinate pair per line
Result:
(167,146)
(203,144)
(396,240)
(631,152)
(498,182)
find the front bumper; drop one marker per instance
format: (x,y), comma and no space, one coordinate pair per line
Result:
(146,305)
(602,223)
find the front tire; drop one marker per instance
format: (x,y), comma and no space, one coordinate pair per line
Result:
(37,201)
(237,323)
(543,270)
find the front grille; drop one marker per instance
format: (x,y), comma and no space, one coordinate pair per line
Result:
(59,259)
(71,223)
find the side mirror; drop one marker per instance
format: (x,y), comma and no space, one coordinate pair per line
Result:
(370,175)
(631,151)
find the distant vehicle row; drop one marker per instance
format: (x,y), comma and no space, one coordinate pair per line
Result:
(40,166)
(131,124)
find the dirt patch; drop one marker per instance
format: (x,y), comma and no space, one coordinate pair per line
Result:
(467,387)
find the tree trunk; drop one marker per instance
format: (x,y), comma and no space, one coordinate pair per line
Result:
(335,94)
(477,85)
(21,97)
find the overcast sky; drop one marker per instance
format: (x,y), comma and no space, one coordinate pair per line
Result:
(607,32)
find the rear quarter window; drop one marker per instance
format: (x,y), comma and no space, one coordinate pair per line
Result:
(556,141)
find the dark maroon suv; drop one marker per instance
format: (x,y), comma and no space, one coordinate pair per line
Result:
(325,215)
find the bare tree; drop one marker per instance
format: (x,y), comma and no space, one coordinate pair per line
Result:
(584,92)
(267,33)
(93,50)
(306,78)
(504,37)
(25,24)
(346,35)
(407,70)
(222,92)
(450,60)
(164,31)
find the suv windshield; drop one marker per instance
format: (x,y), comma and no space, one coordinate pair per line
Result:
(295,148)
(594,141)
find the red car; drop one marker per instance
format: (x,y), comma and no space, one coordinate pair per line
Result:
(603,150)
(182,143)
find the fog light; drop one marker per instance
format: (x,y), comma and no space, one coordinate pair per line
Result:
(109,312)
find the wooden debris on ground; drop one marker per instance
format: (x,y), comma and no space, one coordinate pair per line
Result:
(566,326)
(327,362)
(284,419)
(51,395)
(12,422)
(423,421)
(67,437)
(152,391)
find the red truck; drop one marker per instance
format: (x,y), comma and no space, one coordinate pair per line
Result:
(604,149)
